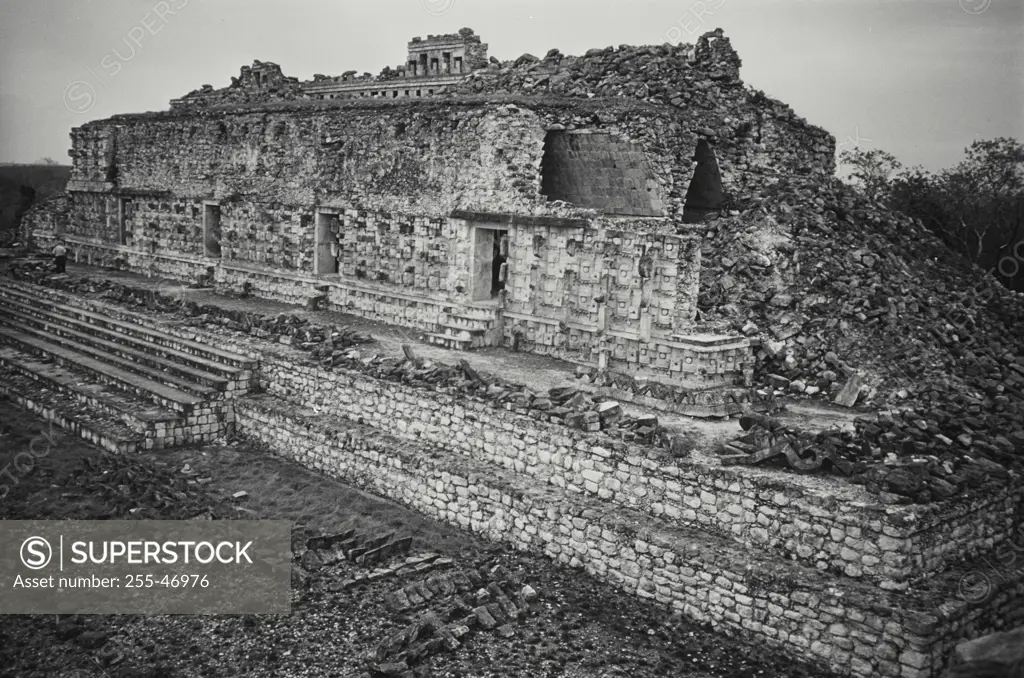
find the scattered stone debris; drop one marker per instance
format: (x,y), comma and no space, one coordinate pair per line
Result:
(894,456)
(767,439)
(360,548)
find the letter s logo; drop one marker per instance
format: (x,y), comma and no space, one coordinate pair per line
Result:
(36,553)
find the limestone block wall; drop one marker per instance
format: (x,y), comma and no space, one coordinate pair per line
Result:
(45,219)
(394,174)
(825,524)
(269,234)
(92,155)
(272,172)
(949,532)
(837,529)
(854,629)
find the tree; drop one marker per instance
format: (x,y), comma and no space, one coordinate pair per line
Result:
(47,161)
(872,170)
(976,206)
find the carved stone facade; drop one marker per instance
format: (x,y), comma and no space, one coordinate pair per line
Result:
(562,225)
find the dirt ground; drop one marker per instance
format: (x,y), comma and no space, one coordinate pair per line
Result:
(578,627)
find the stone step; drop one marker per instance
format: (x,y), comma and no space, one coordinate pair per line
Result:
(487,313)
(76,418)
(852,626)
(201,384)
(449,341)
(160,357)
(105,372)
(460,330)
(123,322)
(139,415)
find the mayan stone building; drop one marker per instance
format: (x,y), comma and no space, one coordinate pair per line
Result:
(547,205)
(584,208)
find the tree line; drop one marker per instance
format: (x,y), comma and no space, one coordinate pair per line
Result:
(976,206)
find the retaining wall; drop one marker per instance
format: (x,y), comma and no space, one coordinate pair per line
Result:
(853,627)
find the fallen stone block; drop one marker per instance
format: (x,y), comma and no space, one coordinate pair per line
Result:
(483,616)
(847,397)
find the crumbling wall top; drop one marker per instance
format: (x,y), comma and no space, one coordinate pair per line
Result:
(262,81)
(464,35)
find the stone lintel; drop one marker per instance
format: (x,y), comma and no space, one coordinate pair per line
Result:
(519,220)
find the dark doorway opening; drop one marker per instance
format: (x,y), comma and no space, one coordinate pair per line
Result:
(124,215)
(211,230)
(490,263)
(705,196)
(326,258)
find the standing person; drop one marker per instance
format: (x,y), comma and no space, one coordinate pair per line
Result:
(60,257)
(497,281)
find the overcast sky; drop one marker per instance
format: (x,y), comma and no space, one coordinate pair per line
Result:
(918,78)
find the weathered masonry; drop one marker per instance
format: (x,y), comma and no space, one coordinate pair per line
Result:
(813,565)
(564,223)
(556,205)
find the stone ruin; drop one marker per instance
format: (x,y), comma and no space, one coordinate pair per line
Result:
(621,210)
(564,223)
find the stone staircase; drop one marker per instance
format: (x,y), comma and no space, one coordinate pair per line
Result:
(469,327)
(114,381)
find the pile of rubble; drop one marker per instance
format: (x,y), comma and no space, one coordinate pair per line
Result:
(861,306)
(901,464)
(705,403)
(322,341)
(120,487)
(679,74)
(768,439)
(702,80)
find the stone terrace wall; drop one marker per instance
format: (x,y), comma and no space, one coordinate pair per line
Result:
(837,528)
(826,523)
(462,470)
(857,629)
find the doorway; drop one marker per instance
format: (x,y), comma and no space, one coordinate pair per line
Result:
(326,257)
(490,263)
(211,229)
(124,215)
(704,196)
